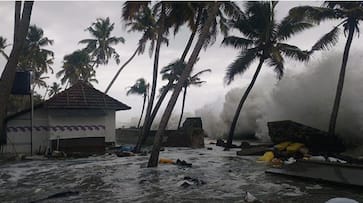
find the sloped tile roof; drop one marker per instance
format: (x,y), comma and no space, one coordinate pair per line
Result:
(84,96)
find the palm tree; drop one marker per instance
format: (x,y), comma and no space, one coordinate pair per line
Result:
(141,87)
(100,45)
(139,18)
(349,14)
(77,67)
(262,39)
(195,15)
(38,80)
(192,80)
(21,25)
(212,12)
(3,45)
(34,56)
(54,89)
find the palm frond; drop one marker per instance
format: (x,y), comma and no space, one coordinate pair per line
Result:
(293,52)
(288,27)
(241,64)
(237,42)
(327,41)
(312,13)
(277,61)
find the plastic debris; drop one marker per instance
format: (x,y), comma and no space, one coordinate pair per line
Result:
(282,146)
(183,163)
(166,161)
(250,198)
(267,157)
(294,147)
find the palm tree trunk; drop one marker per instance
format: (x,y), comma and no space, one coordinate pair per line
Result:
(155,74)
(339,91)
(189,44)
(147,126)
(183,105)
(121,68)
(154,157)
(240,105)
(142,111)
(8,74)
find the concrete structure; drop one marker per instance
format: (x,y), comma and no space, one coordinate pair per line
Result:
(190,135)
(79,119)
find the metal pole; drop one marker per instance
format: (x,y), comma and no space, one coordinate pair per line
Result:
(31,116)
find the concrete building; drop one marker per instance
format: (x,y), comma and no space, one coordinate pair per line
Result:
(79,119)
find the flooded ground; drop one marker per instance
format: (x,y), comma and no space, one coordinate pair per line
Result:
(112,179)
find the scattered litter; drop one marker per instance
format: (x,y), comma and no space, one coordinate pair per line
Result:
(294,147)
(282,146)
(188,181)
(166,161)
(124,154)
(332,159)
(250,198)
(183,163)
(290,160)
(267,157)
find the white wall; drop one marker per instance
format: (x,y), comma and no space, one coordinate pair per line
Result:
(19,141)
(83,123)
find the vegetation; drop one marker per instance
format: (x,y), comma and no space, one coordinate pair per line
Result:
(77,66)
(263,40)
(54,89)
(141,87)
(22,15)
(349,14)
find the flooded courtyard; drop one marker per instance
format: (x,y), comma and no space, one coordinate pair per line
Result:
(224,177)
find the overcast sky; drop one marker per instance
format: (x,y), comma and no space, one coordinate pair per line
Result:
(65,23)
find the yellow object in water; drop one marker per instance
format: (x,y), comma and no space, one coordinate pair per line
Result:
(165,161)
(282,146)
(267,157)
(294,147)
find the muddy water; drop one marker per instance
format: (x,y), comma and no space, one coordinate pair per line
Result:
(112,179)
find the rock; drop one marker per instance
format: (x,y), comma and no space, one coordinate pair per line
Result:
(59,154)
(245,144)
(209,148)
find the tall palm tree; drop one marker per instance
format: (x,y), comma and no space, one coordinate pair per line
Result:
(212,12)
(54,89)
(195,15)
(77,67)
(349,14)
(3,45)
(193,80)
(21,24)
(139,18)
(100,46)
(35,56)
(263,40)
(141,87)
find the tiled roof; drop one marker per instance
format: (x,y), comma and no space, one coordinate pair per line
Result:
(82,95)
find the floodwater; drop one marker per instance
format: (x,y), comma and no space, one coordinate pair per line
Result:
(108,178)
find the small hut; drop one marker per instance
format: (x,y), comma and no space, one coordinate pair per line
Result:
(78,119)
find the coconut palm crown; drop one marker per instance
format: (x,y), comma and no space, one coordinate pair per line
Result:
(262,38)
(100,45)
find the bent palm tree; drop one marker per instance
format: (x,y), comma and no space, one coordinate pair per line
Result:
(212,12)
(351,13)
(141,87)
(139,18)
(262,39)
(100,45)
(193,80)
